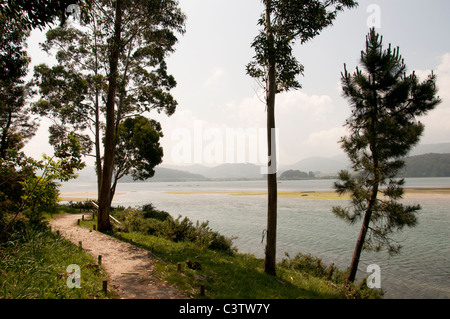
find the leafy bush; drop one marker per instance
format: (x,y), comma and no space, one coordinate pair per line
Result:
(311,265)
(150,221)
(151,212)
(308,264)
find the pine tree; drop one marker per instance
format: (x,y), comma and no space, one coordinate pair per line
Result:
(383,128)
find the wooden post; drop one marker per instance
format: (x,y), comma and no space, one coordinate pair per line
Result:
(78,222)
(202,290)
(99,259)
(179,267)
(105,286)
(58,233)
(82,217)
(94,227)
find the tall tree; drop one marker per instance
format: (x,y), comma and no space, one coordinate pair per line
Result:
(21,189)
(15,122)
(284,22)
(117,62)
(115,47)
(385,103)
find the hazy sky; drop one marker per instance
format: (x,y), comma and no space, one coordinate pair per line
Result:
(216,96)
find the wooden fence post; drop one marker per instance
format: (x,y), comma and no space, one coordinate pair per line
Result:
(202,290)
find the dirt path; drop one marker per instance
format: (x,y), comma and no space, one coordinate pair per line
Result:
(129,268)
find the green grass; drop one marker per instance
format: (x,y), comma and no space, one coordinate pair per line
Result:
(33,265)
(235,276)
(230,275)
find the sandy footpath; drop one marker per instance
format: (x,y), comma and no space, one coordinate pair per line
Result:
(130,268)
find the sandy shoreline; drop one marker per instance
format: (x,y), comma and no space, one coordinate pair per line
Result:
(81,196)
(409,193)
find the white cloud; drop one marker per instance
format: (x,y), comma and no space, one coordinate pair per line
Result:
(437,128)
(303,121)
(325,142)
(217,73)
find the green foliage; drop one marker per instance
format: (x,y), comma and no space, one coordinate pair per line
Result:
(33,266)
(427,165)
(309,265)
(150,221)
(237,276)
(291,20)
(35,14)
(15,121)
(30,186)
(385,103)
(80,95)
(296,174)
(313,266)
(140,151)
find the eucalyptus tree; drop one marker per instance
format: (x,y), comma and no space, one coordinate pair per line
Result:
(385,104)
(108,69)
(16,124)
(284,22)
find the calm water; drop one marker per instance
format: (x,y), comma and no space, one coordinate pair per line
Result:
(308,226)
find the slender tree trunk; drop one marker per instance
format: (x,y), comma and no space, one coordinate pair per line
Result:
(5,132)
(98,157)
(109,144)
(362,236)
(270,260)
(373,196)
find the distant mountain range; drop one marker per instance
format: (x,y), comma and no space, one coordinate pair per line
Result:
(320,166)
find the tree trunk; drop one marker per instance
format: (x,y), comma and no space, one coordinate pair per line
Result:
(373,196)
(270,260)
(109,144)
(361,238)
(5,132)
(98,157)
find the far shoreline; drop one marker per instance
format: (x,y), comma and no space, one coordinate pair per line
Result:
(326,194)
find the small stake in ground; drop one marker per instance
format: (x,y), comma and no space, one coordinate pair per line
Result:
(202,290)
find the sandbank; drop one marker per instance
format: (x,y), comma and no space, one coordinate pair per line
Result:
(409,193)
(81,196)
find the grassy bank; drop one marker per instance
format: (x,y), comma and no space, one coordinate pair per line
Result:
(186,256)
(237,276)
(33,264)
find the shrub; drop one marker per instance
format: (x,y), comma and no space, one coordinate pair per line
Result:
(150,212)
(150,221)
(315,267)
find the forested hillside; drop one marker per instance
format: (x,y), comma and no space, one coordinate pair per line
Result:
(428,165)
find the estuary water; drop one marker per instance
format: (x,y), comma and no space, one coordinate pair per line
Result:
(307,225)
